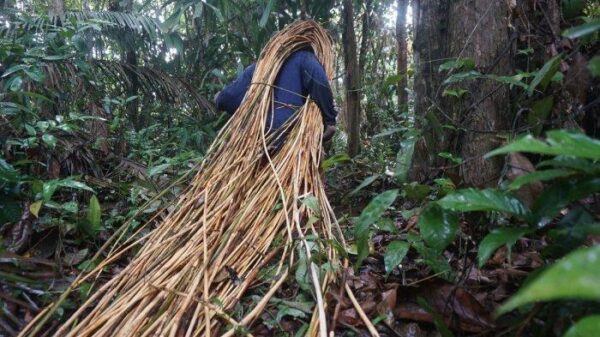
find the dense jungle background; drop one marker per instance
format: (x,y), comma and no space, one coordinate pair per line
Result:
(465,170)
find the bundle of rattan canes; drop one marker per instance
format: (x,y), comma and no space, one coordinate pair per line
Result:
(242,198)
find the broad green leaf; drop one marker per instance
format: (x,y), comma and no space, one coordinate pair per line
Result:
(395,252)
(416,191)
(544,75)
(71,207)
(334,160)
(540,110)
(74,184)
(438,263)
(266,13)
(539,176)
(312,203)
(50,140)
(582,30)
(577,164)
(8,174)
(465,63)
(468,200)
(558,142)
(94,217)
(48,189)
(157,169)
(404,158)
(35,208)
(438,227)
(560,195)
(497,238)
(467,75)
(575,277)
(572,8)
(586,327)
(368,181)
(369,215)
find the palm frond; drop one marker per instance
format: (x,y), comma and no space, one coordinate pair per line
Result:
(18,20)
(154,82)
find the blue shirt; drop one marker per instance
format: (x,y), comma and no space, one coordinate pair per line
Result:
(300,76)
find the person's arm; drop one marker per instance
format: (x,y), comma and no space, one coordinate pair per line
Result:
(230,98)
(316,84)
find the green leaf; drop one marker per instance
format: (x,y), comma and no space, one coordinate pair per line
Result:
(75,184)
(312,203)
(266,13)
(539,176)
(334,160)
(540,110)
(35,208)
(575,277)
(438,263)
(582,30)
(369,215)
(464,63)
(48,189)
(395,252)
(50,140)
(496,239)
(94,217)
(8,174)
(438,227)
(416,191)
(467,75)
(572,8)
(544,75)
(585,327)
(468,200)
(368,181)
(560,195)
(157,169)
(577,164)
(594,66)
(558,142)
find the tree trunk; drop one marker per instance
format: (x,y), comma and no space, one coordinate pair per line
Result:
(352,80)
(402,60)
(468,126)
(430,49)
(364,42)
(132,60)
(56,10)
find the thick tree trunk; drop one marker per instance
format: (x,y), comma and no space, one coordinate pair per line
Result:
(430,50)
(402,60)
(352,81)
(467,126)
(480,31)
(365,38)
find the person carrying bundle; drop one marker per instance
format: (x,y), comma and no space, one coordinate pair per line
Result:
(301,76)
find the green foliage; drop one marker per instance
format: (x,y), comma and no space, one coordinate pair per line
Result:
(558,142)
(369,215)
(468,200)
(579,270)
(395,252)
(438,227)
(497,238)
(587,326)
(93,219)
(544,76)
(582,30)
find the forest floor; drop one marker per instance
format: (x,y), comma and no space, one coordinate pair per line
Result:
(411,300)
